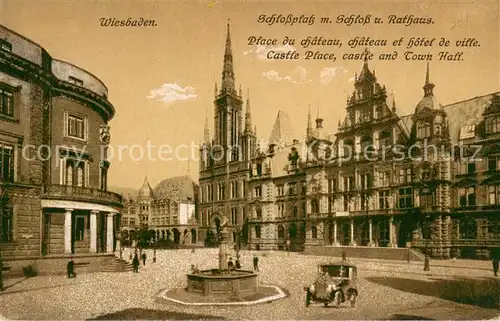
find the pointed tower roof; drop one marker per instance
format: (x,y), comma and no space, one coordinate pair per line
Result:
(309,129)
(227,84)
(366,74)
(282,130)
(206,130)
(145,191)
(248,115)
(429,101)
(319,133)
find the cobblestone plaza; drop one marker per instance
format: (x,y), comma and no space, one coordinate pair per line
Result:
(388,289)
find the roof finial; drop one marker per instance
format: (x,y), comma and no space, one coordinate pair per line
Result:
(428,86)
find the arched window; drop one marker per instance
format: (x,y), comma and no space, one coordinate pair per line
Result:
(80,175)
(314,232)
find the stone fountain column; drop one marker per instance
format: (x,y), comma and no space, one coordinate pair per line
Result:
(223,250)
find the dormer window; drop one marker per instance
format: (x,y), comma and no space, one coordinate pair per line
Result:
(423,130)
(4,45)
(493,125)
(75,81)
(438,131)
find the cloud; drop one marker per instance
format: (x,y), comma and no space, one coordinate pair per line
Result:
(327,74)
(169,93)
(298,76)
(261,51)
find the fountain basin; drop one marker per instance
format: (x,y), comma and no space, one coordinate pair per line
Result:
(222,282)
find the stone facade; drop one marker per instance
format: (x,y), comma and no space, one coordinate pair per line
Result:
(384,179)
(52,198)
(168,209)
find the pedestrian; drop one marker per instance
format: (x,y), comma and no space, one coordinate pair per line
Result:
(130,256)
(144,258)
(495,256)
(192,250)
(255,263)
(154,255)
(344,256)
(1,272)
(135,263)
(70,269)
(230,264)
(237,264)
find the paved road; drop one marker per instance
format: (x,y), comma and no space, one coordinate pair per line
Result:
(387,290)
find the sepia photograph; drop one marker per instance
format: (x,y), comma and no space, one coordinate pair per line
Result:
(249,160)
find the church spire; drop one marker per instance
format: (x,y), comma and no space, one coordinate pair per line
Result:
(248,115)
(227,70)
(216,90)
(428,86)
(309,124)
(206,131)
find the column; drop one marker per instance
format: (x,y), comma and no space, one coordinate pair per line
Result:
(93,231)
(392,242)
(352,243)
(335,242)
(67,230)
(109,234)
(370,232)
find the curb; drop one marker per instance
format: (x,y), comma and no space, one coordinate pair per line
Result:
(278,296)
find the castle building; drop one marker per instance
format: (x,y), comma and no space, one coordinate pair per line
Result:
(169,210)
(429,179)
(54,137)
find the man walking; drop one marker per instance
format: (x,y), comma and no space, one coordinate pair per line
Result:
(135,263)
(495,256)
(144,258)
(255,263)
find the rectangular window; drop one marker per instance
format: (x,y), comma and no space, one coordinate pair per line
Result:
(384,179)
(405,197)
(6,102)
(348,183)
(76,127)
(384,199)
(292,188)
(471,167)
(492,163)
(281,190)
(467,196)
(258,191)
(493,195)
(366,181)
(332,186)
(347,202)
(6,163)
(5,222)
(281,210)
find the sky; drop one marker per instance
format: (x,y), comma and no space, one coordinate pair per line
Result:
(161,78)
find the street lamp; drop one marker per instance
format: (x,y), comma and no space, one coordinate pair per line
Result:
(426,257)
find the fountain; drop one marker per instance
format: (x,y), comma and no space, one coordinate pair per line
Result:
(222,281)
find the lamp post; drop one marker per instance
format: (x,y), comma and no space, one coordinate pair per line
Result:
(426,257)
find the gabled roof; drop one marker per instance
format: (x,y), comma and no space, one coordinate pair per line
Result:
(282,132)
(280,162)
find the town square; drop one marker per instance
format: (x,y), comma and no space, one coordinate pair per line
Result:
(388,289)
(249,160)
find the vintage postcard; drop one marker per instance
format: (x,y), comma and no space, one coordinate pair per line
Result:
(267,160)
